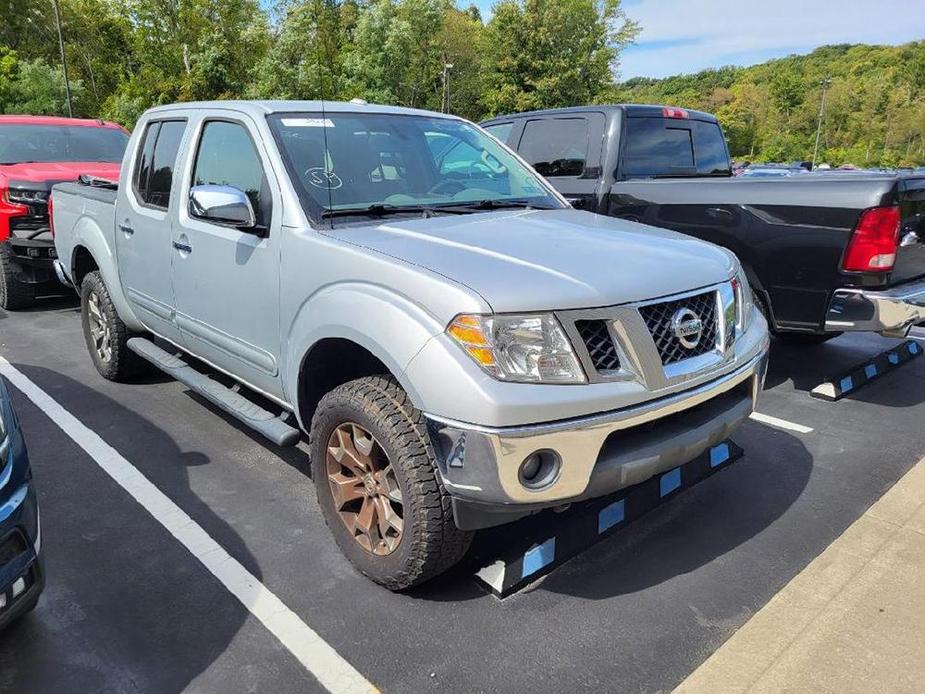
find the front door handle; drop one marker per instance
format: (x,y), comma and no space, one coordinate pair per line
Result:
(126,229)
(184,247)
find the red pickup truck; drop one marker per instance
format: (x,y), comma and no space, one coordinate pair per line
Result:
(35,153)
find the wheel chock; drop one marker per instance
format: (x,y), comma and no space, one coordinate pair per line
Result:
(858,376)
(548,540)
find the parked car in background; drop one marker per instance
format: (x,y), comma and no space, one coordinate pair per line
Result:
(463,347)
(35,153)
(21,573)
(824,253)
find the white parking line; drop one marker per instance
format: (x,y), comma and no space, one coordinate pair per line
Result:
(780,423)
(316,655)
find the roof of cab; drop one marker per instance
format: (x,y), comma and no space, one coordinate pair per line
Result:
(263,108)
(631,110)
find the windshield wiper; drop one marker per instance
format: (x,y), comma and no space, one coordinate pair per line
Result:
(492,204)
(14,163)
(385,209)
(377,210)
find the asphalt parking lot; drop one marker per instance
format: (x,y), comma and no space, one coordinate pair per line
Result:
(128,608)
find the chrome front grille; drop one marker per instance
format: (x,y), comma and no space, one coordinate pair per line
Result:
(599,344)
(659,317)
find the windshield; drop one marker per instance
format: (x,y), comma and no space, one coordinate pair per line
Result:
(357,161)
(60,143)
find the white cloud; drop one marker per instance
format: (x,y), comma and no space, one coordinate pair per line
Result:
(682,36)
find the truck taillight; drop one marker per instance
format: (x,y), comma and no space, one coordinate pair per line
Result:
(672,112)
(51,219)
(873,243)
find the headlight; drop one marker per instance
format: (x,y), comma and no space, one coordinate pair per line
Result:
(528,348)
(27,197)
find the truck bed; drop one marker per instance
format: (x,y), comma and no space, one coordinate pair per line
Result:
(790,232)
(85,210)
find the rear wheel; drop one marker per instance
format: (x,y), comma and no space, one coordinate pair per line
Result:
(378,487)
(15,292)
(105,333)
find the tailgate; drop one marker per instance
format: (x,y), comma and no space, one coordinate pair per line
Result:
(910,257)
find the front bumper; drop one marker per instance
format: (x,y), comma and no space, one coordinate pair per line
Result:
(35,258)
(598,454)
(891,311)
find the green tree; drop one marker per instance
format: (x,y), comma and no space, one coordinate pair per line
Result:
(542,53)
(32,86)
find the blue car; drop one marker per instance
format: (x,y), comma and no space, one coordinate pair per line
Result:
(21,573)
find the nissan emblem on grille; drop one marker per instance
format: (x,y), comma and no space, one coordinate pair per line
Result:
(683,328)
(687,327)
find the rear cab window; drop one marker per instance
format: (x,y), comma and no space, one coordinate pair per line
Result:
(152,179)
(667,147)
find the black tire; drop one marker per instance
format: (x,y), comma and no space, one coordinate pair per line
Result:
(109,352)
(430,542)
(15,292)
(762,305)
(805,339)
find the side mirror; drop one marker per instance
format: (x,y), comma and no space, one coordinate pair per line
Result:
(225,205)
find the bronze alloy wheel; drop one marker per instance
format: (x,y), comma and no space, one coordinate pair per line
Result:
(364,488)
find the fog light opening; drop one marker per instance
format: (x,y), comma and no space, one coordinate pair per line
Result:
(539,469)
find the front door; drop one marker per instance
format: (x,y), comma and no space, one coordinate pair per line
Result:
(143,227)
(226,279)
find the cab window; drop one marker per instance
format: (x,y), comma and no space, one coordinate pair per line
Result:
(500,131)
(153,176)
(227,157)
(556,146)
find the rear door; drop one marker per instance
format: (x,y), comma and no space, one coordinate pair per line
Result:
(227,279)
(143,226)
(566,149)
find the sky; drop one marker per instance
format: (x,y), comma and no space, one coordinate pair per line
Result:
(681,36)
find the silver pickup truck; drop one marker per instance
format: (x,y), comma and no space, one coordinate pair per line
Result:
(462,347)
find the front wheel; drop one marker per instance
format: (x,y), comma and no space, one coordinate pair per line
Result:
(378,487)
(105,333)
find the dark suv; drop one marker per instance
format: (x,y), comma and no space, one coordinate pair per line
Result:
(21,574)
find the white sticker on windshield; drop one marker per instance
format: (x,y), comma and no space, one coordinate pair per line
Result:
(307,122)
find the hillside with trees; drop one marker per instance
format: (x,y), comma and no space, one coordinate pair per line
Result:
(124,56)
(874,110)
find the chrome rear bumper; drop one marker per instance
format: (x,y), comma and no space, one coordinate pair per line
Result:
(891,311)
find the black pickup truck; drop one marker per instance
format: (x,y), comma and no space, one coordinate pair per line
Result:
(825,253)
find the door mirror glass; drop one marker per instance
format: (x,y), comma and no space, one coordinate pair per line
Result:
(225,205)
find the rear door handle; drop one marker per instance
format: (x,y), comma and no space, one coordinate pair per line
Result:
(185,247)
(126,229)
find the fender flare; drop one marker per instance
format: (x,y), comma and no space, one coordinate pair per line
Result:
(87,234)
(393,328)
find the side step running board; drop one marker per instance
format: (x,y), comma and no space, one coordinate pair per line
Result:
(235,404)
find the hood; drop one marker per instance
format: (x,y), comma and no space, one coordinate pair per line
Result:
(49,173)
(534,260)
